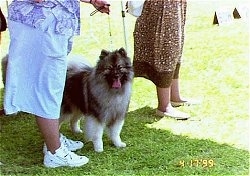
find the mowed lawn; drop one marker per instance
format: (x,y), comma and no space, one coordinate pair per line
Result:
(215,70)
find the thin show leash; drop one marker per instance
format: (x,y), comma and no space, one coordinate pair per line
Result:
(109,23)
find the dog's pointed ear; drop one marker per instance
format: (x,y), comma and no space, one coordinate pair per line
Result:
(122,52)
(103,54)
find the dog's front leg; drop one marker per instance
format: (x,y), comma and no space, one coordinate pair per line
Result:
(94,132)
(114,131)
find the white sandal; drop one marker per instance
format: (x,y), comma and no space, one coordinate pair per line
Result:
(178,115)
(185,103)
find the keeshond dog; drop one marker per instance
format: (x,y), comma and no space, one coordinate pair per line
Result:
(4,63)
(100,94)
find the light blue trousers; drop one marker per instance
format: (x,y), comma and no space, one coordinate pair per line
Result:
(36,70)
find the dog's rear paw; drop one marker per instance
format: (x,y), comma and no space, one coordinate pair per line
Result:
(99,150)
(120,145)
(98,145)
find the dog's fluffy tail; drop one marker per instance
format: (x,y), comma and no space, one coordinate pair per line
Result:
(4,64)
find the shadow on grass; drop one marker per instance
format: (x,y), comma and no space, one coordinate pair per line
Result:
(149,151)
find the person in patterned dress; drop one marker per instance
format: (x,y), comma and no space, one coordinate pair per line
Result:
(41,33)
(158,45)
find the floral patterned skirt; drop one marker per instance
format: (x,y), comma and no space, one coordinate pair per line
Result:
(158,41)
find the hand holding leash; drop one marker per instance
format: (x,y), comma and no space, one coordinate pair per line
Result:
(101,6)
(39,1)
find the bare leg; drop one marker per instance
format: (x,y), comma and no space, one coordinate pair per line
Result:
(164,105)
(49,129)
(176,98)
(175,91)
(163,95)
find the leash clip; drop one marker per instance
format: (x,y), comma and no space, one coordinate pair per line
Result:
(98,9)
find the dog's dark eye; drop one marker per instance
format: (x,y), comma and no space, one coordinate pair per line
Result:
(108,68)
(120,67)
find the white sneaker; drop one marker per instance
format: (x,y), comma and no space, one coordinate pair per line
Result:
(64,157)
(70,144)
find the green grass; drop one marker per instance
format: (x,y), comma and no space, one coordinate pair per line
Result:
(215,70)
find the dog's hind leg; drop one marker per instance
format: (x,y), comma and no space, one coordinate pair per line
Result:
(114,131)
(75,123)
(94,132)
(74,119)
(4,64)
(64,118)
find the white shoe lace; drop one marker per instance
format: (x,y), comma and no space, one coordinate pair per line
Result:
(68,142)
